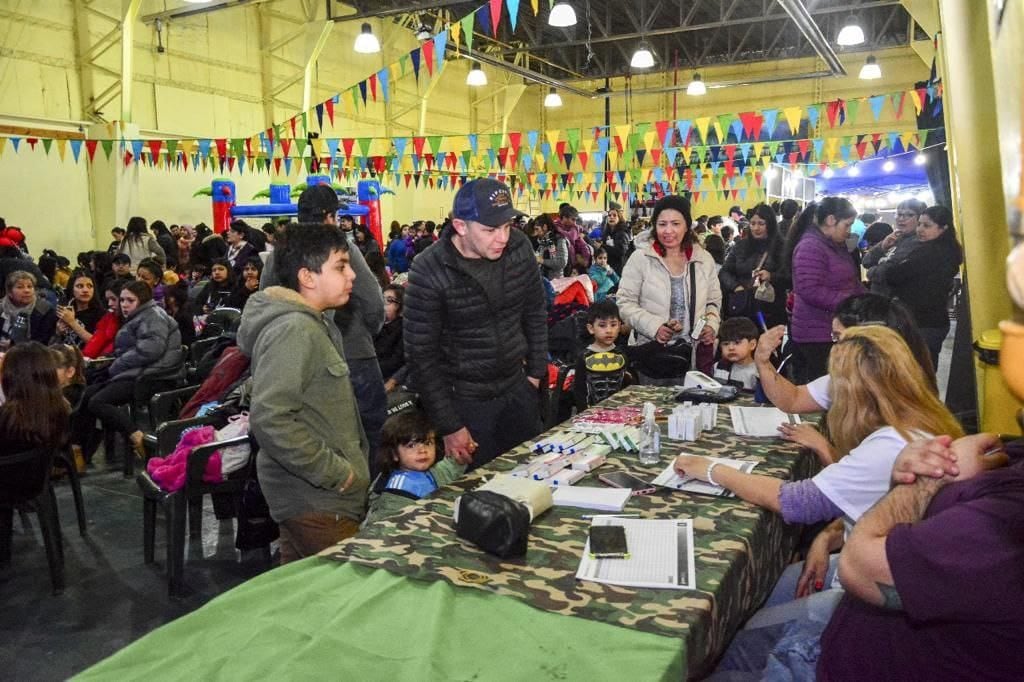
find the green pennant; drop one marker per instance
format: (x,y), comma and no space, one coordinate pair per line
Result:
(435,143)
(172,149)
(354,91)
(300,147)
(278,132)
(467,29)
(467,154)
(634,175)
(47,143)
(496,139)
(402,62)
(305,123)
(108,146)
(641,129)
(773,148)
(923,135)
(724,122)
(573,135)
(634,141)
(852,106)
(364,145)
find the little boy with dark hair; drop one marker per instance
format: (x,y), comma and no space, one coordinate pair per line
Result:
(121,266)
(312,462)
(603,367)
(737,339)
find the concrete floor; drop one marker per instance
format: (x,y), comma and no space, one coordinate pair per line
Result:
(112,598)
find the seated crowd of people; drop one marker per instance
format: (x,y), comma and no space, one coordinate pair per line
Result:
(913,570)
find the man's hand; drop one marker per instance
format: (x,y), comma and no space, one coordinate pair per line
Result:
(769,343)
(971,458)
(534,381)
(707,335)
(460,446)
(931,457)
(348,481)
(390,385)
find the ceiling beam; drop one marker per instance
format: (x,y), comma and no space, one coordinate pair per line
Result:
(181,12)
(669,30)
(392,11)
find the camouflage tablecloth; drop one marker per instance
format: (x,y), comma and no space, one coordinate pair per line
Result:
(740,549)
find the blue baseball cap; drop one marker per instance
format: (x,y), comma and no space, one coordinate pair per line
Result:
(485,201)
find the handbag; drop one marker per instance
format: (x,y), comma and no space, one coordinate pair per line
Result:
(765,292)
(664,361)
(235,457)
(493,522)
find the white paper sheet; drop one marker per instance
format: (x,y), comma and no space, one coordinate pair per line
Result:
(660,555)
(601,499)
(759,422)
(669,478)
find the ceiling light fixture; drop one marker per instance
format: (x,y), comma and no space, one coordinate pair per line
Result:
(562,15)
(828,173)
(553,99)
(643,58)
(871,70)
(476,76)
(696,86)
(366,42)
(851,33)
(920,159)
(853,172)
(889,166)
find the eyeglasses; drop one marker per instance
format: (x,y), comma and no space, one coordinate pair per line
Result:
(836,336)
(390,299)
(906,214)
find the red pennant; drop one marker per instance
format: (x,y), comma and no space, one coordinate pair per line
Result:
(277,166)
(805,146)
(292,122)
(329,105)
(222,147)
(583,157)
(662,127)
(656,156)
(618,143)
(730,151)
(515,140)
(346,144)
(231,163)
(154,149)
(417,145)
(862,148)
(373,86)
(730,169)
(832,111)
(495,16)
(286,146)
(90,147)
(502,156)
(427,50)
(429,158)
(32,142)
(127,158)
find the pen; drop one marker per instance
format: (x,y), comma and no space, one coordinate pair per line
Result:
(993,451)
(610,516)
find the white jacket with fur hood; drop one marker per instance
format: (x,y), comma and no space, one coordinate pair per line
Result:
(645,292)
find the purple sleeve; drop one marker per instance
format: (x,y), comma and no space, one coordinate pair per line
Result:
(803,502)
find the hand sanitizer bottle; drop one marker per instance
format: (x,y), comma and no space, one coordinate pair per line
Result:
(650,441)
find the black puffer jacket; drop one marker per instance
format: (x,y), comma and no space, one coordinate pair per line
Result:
(923,279)
(460,343)
(149,342)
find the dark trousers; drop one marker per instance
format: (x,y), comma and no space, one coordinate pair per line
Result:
(810,361)
(500,424)
(368,386)
(105,401)
(933,338)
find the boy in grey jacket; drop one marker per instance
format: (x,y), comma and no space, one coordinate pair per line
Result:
(312,462)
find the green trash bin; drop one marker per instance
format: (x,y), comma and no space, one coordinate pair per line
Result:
(997,405)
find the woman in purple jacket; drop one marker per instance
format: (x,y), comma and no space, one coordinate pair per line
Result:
(824,275)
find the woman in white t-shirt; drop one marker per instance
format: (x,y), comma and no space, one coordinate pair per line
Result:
(855,311)
(880,401)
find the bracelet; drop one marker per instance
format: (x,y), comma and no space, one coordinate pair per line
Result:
(711,467)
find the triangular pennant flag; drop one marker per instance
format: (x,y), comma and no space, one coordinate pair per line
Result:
(373,86)
(722,124)
(702,124)
(440,45)
(898,99)
(329,106)
(474,143)
(793,116)
(364,145)
(496,140)
(47,143)
(427,48)
(467,29)
(435,143)
(415,57)
(531,138)
(400,144)
(684,131)
(362,91)
(513,12)
(852,107)
(771,118)
(62,147)
(320,116)
(90,148)
(573,136)
(382,79)
(495,16)
(736,129)
(136,146)
(832,111)
(877,103)
(662,128)
(813,115)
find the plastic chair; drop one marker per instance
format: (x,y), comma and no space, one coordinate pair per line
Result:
(145,388)
(66,460)
(25,482)
(186,503)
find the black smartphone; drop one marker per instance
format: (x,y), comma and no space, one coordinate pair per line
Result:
(608,542)
(621,479)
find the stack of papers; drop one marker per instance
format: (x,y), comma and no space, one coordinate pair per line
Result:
(601,499)
(670,478)
(536,496)
(760,422)
(660,555)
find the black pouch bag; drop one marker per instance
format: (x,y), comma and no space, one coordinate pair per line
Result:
(660,361)
(495,523)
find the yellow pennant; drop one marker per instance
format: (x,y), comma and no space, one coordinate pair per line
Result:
(831,148)
(793,116)
(552,138)
(702,124)
(62,147)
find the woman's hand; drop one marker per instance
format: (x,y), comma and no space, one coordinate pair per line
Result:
(65,315)
(812,579)
(769,343)
(252,283)
(738,289)
(763,276)
(390,385)
(806,435)
(692,466)
(667,331)
(889,241)
(707,335)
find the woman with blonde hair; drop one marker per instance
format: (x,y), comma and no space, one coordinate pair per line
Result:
(881,401)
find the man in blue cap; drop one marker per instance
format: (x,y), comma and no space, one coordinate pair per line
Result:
(475,327)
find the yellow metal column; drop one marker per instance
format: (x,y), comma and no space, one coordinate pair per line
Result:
(977,187)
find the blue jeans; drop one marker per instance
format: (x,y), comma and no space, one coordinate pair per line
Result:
(781,640)
(368,385)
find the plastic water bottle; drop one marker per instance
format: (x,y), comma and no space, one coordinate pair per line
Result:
(650,437)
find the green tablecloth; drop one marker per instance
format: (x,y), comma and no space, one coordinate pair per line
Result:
(319,619)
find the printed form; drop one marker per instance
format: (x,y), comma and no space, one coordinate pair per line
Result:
(660,555)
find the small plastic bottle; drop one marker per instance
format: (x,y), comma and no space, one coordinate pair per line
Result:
(650,441)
